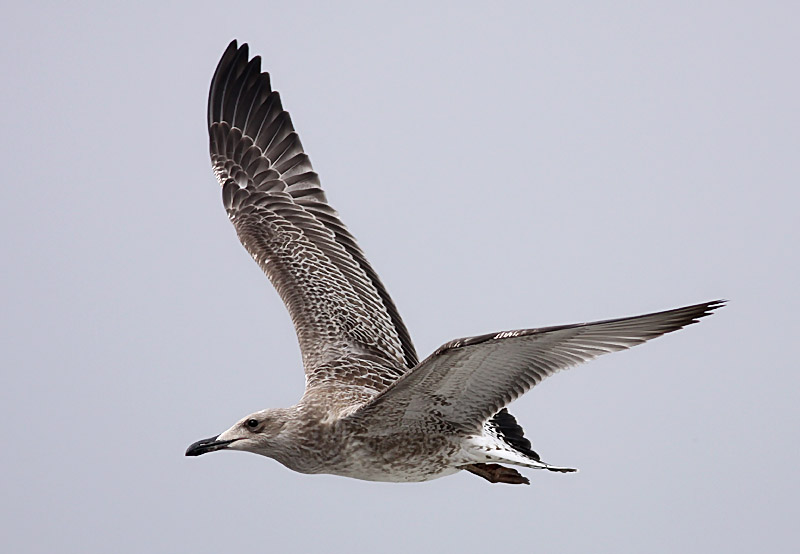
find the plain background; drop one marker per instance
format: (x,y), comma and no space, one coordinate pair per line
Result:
(503,165)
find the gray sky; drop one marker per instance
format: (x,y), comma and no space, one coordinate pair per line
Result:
(503,167)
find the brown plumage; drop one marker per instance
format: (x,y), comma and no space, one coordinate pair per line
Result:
(370,409)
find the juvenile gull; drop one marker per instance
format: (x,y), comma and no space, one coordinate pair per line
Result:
(370,409)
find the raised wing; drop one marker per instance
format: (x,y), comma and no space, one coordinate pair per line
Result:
(274,200)
(468,380)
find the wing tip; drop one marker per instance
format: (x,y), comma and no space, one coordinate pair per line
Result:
(232,57)
(698,311)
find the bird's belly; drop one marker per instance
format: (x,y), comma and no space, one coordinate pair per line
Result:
(392,473)
(398,459)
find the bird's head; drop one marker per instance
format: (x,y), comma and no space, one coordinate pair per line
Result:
(258,433)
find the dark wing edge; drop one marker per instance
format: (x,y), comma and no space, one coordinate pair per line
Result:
(241,104)
(506,427)
(469,380)
(677,316)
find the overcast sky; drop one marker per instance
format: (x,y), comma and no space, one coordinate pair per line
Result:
(503,166)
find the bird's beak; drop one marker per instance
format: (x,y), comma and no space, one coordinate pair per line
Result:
(207,445)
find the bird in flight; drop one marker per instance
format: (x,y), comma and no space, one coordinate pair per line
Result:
(371,410)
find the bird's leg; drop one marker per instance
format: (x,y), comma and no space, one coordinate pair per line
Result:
(495,473)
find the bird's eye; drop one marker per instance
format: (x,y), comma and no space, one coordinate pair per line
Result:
(251,423)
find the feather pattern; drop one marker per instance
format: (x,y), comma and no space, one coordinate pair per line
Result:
(466,381)
(273,197)
(370,409)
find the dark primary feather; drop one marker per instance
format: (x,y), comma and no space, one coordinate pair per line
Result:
(507,427)
(274,199)
(480,375)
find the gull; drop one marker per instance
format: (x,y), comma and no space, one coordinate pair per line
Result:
(370,409)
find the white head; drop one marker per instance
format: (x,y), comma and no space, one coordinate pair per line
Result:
(259,433)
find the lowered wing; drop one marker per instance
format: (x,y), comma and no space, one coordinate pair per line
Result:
(466,381)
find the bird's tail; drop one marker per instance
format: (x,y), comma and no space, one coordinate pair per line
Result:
(503,442)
